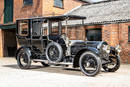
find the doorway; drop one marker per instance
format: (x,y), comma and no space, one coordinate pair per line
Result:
(10,44)
(94,34)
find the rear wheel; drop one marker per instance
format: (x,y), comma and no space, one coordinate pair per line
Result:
(23,58)
(113,65)
(90,64)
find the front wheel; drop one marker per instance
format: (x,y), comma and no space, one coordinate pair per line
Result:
(113,65)
(90,64)
(23,58)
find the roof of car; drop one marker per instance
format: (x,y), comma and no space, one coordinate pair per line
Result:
(61,17)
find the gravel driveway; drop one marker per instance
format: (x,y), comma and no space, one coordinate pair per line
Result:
(38,76)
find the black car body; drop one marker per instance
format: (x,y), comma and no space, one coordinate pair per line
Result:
(55,48)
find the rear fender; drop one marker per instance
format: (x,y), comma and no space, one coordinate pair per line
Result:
(25,48)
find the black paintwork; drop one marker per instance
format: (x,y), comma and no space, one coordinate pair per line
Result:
(37,43)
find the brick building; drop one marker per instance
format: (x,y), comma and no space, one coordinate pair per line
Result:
(10,10)
(108,21)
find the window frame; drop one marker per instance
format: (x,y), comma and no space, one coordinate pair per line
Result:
(54,28)
(36,27)
(26,3)
(128,33)
(59,6)
(94,29)
(20,28)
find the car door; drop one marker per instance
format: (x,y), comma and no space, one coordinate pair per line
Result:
(37,34)
(23,32)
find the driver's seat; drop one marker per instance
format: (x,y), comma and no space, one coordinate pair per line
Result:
(54,37)
(57,38)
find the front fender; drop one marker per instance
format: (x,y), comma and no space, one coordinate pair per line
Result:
(95,50)
(80,52)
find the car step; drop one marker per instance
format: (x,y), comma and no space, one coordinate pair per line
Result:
(53,63)
(38,60)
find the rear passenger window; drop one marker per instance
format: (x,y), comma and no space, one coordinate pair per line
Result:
(23,28)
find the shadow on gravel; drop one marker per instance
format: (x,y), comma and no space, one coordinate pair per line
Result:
(54,69)
(51,69)
(16,67)
(72,69)
(11,66)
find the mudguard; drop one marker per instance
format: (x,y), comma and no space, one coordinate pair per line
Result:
(92,49)
(96,51)
(81,51)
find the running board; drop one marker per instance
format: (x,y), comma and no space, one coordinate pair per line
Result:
(53,63)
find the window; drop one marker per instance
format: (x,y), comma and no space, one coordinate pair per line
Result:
(37,25)
(54,29)
(23,28)
(94,35)
(129,34)
(27,2)
(58,3)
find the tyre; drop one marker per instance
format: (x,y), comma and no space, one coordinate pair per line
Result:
(23,58)
(114,64)
(54,52)
(90,63)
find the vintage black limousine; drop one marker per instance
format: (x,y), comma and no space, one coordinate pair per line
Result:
(41,40)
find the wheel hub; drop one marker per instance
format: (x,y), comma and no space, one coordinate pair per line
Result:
(87,64)
(52,53)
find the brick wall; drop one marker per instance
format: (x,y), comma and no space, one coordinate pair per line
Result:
(73,33)
(115,34)
(49,9)
(76,33)
(1,43)
(1,21)
(123,35)
(21,11)
(1,11)
(110,34)
(42,8)
(39,8)
(118,34)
